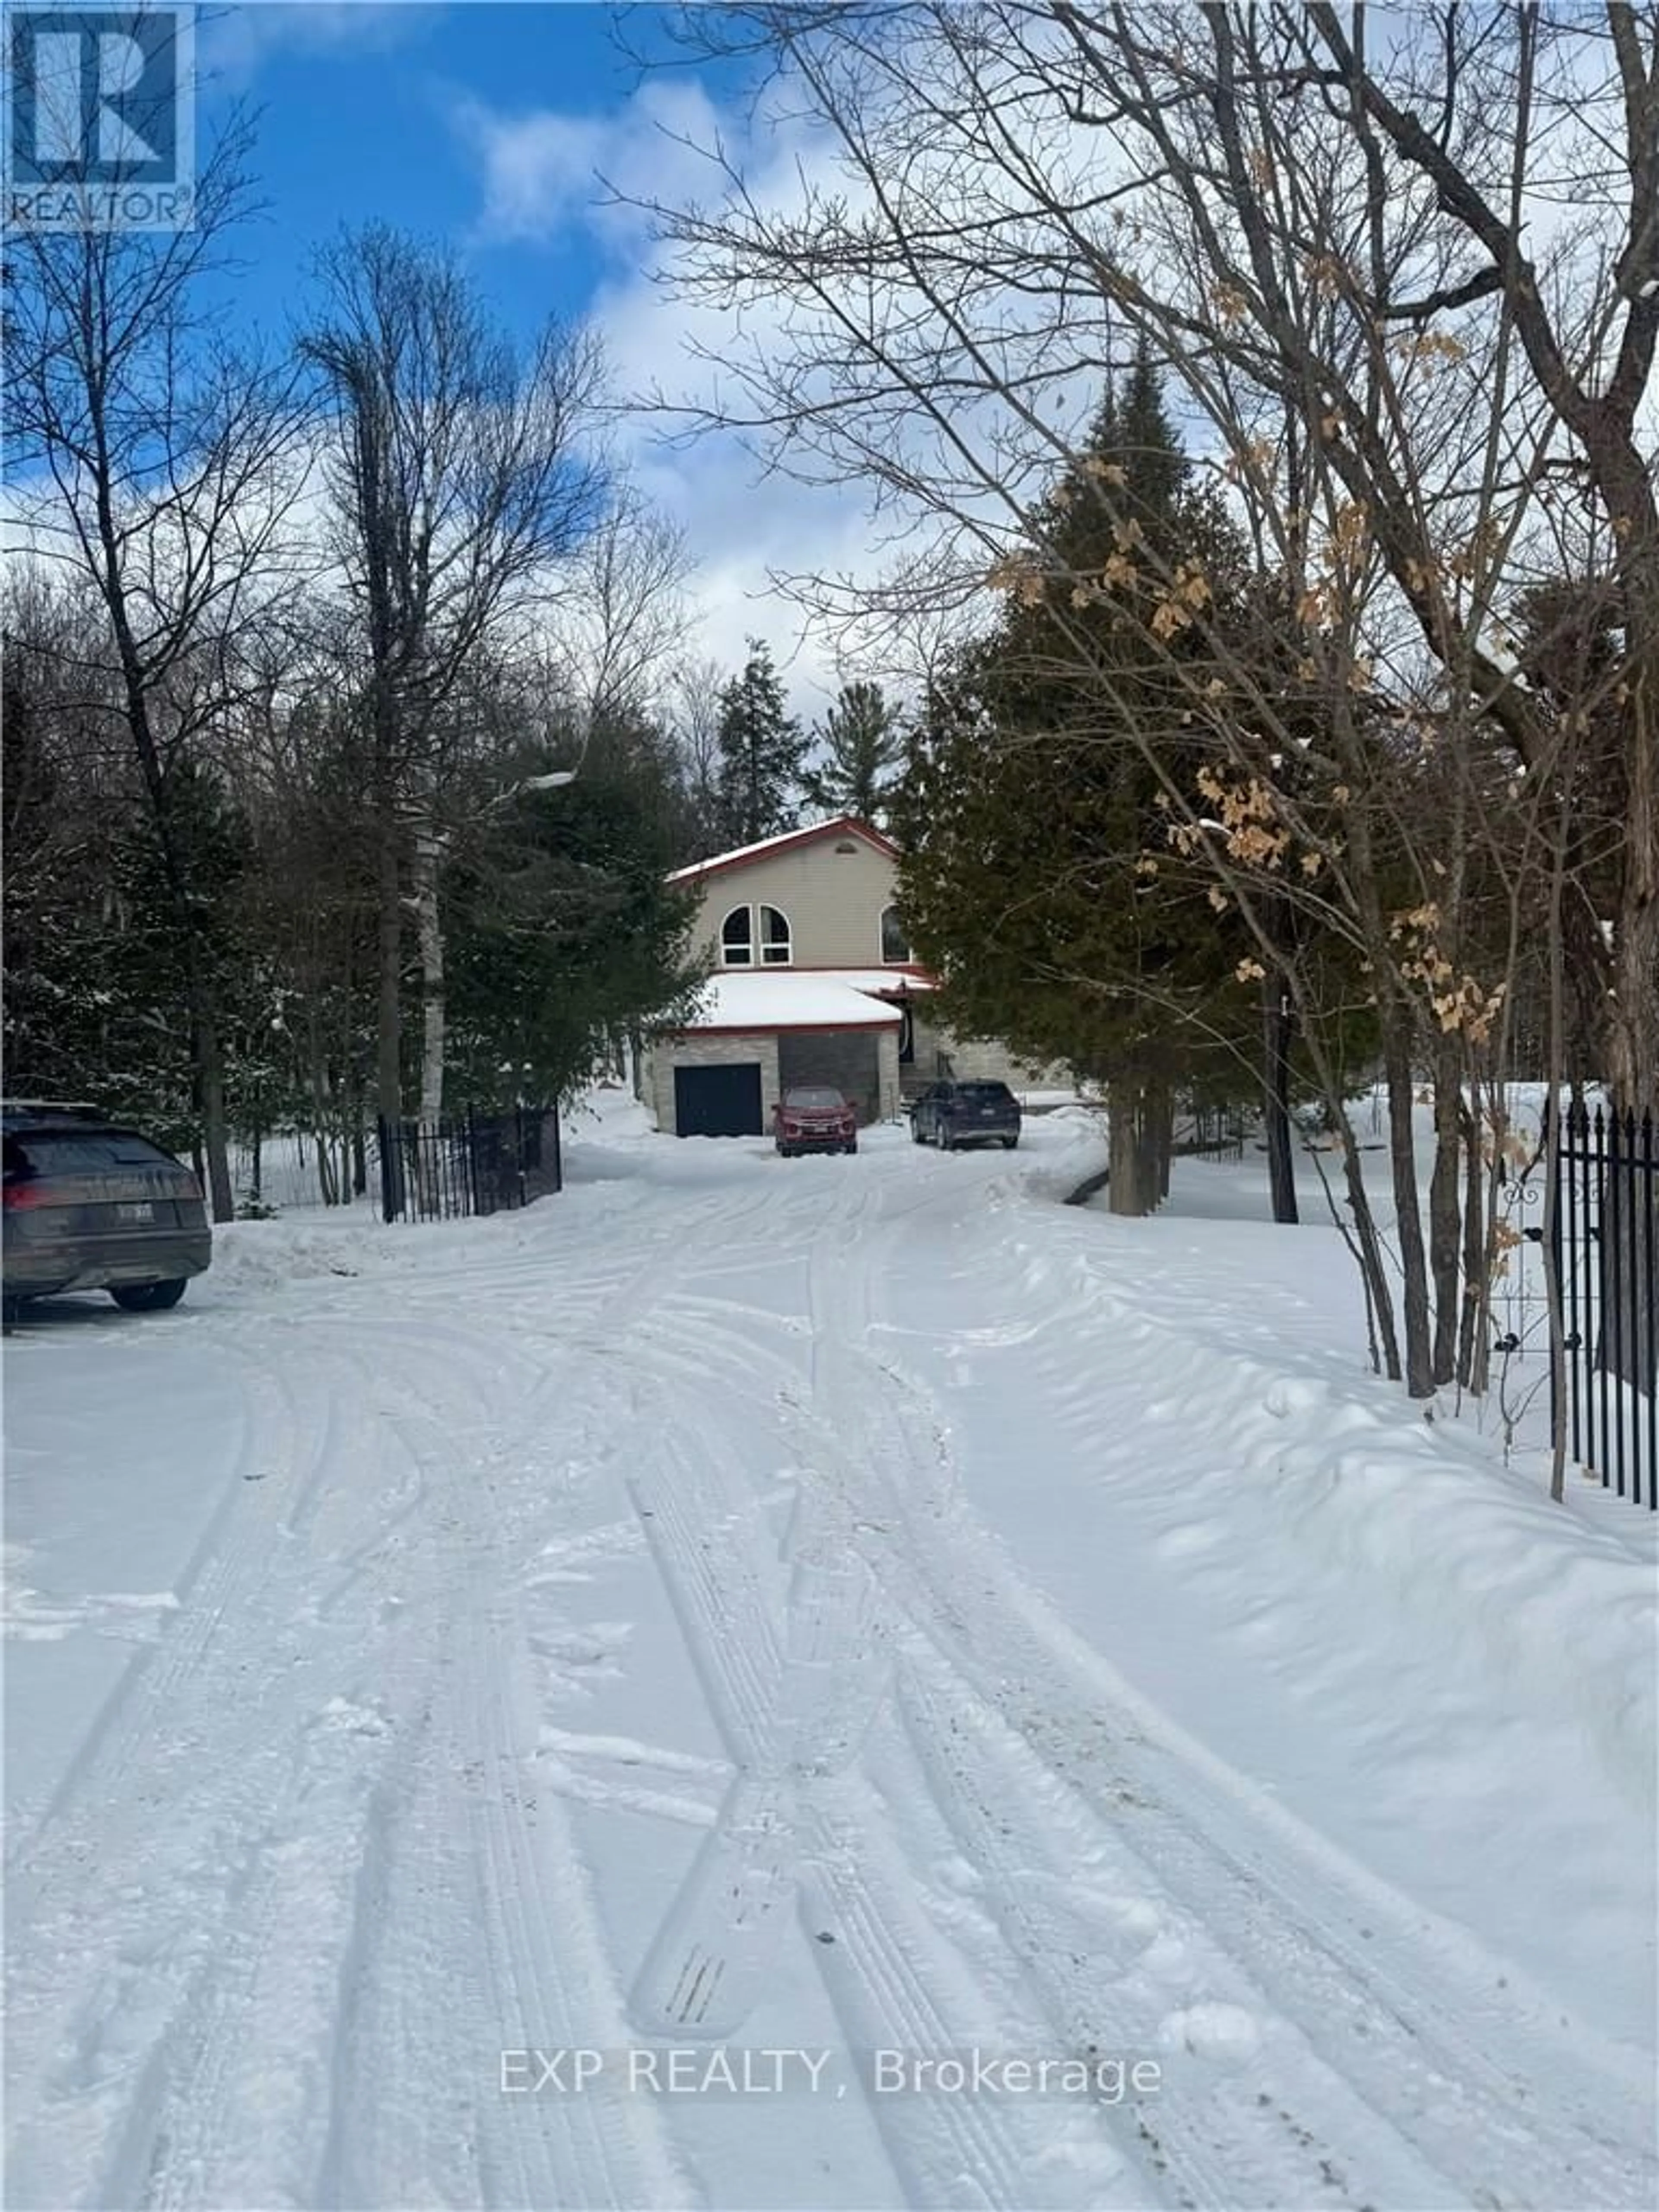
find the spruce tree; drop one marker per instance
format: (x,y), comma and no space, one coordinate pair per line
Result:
(1037,869)
(761,754)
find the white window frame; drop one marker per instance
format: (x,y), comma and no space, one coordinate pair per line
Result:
(774,955)
(891,959)
(742,956)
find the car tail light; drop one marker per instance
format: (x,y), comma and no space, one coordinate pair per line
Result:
(23,1197)
(192,1189)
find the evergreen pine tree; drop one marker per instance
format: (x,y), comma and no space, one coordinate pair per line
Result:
(760,755)
(564,934)
(1033,874)
(863,753)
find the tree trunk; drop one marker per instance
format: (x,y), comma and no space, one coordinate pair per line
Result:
(1278,1028)
(1445,1209)
(1130,1191)
(1402,1161)
(210,1074)
(1630,1205)
(1371,1264)
(1159,1123)
(1141,1125)
(388,1067)
(1479,1209)
(357,1148)
(429,937)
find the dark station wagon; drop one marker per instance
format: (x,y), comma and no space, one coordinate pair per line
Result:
(92,1206)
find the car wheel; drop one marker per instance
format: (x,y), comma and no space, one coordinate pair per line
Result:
(947,1143)
(854,1147)
(148,1298)
(1008,1144)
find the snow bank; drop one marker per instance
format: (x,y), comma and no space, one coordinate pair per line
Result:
(1286,1458)
(1485,1569)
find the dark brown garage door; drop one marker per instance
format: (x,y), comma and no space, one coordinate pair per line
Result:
(847,1058)
(718,1102)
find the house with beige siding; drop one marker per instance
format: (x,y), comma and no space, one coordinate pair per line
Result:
(812,982)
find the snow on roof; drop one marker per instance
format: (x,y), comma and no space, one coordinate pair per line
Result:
(911,977)
(787,1002)
(843,824)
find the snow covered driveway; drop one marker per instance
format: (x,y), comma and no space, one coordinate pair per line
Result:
(828,1683)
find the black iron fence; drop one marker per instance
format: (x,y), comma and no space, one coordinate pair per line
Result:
(1604,1242)
(470,1163)
(1210,1132)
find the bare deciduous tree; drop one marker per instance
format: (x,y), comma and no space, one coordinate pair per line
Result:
(623,619)
(457,477)
(1418,376)
(150,458)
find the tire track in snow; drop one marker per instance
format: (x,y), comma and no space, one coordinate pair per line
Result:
(552,1977)
(150,1903)
(430,1368)
(1222,2132)
(880,2007)
(221,2134)
(1412,2050)
(228,1565)
(137,1953)
(230,2108)
(888,1961)
(1412,2058)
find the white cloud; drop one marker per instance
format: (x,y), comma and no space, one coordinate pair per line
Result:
(234,43)
(545,173)
(544,169)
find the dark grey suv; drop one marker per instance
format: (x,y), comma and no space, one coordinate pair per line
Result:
(949,1114)
(91,1205)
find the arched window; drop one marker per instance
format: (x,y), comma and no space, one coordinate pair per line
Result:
(738,938)
(894,939)
(774,938)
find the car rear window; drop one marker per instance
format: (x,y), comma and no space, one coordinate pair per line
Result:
(813,1096)
(986,1094)
(79,1152)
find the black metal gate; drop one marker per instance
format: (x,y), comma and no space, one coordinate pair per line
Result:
(471,1164)
(1605,1243)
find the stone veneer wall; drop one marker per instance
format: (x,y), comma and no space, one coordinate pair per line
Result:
(720,1049)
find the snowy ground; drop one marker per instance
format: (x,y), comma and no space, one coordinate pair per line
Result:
(809,1619)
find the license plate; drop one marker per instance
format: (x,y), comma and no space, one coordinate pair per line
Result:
(142,1211)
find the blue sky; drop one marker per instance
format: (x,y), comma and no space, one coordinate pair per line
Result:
(483,124)
(369,112)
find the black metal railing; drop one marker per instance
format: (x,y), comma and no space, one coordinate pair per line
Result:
(470,1163)
(1210,1133)
(1604,1242)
